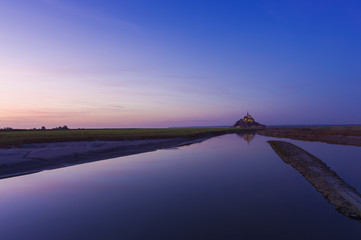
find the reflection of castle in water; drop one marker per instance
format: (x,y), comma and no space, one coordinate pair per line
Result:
(248,137)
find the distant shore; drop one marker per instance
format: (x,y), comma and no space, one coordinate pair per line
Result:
(45,150)
(36,157)
(16,138)
(24,152)
(345,135)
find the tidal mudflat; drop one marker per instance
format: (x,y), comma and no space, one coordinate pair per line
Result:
(344,197)
(346,135)
(227,187)
(28,151)
(36,157)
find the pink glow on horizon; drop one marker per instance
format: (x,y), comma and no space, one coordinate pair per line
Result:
(116,64)
(36,98)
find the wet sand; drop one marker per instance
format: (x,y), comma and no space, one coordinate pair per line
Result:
(344,197)
(31,158)
(332,135)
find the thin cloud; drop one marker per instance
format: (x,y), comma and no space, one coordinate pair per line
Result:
(191,77)
(72,9)
(90,70)
(58,112)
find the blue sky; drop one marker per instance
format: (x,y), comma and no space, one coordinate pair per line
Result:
(177,63)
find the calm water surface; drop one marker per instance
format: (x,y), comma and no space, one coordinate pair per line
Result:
(223,188)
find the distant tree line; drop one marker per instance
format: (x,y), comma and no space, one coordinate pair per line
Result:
(6,129)
(61,128)
(9,129)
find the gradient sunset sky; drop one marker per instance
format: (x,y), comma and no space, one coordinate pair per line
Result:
(98,63)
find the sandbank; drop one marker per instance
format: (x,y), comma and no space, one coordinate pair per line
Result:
(344,135)
(35,157)
(344,197)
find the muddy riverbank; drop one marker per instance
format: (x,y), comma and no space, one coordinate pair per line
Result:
(344,197)
(350,135)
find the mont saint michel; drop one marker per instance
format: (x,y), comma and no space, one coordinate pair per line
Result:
(248,122)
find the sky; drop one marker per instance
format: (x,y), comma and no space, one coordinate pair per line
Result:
(145,63)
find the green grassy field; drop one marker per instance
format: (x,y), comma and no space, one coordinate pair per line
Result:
(17,138)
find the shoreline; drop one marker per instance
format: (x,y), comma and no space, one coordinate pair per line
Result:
(35,151)
(332,135)
(37,157)
(334,189)
(18,138)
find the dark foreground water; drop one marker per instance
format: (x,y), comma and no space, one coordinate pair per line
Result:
(223,188)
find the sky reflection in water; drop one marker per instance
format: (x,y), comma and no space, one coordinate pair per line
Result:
(223,188)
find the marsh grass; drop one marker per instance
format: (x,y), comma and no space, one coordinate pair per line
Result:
(17,138)
(326,130)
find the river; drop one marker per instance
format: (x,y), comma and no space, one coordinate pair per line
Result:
(227,187)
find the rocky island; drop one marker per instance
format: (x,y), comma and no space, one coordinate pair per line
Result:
(248,122)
